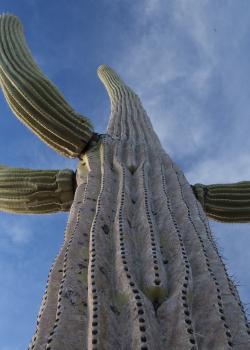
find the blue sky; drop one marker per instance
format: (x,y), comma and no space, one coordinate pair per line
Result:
(189,63)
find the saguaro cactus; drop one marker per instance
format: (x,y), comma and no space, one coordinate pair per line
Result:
(138,268)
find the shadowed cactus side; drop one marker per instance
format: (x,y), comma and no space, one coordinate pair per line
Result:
(29,191)
(138,268)
(225,202)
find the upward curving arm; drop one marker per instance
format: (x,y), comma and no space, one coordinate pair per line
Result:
(27,191)
(34,99)
(225,202)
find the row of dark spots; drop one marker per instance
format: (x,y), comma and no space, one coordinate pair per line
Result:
(187,314)
(45,297)
(157,280)
(135,291)
(217,287)
(58,313)
(65,261)
(230,283)
(118,125)
(94,302)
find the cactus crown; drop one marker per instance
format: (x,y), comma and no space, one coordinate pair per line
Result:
(113,83)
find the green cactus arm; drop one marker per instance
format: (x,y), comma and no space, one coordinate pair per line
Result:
(27,191)
(225,202)
(34,99)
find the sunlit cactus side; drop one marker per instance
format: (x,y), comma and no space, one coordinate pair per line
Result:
(29,191)
(225,202)
(116,88)
(34,99)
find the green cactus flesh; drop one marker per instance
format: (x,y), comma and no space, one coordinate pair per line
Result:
(35,191)
(34,99)
(225,202)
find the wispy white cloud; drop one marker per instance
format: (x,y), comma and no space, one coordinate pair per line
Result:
(221,170)
(15,231)
(171,66)
(183,66)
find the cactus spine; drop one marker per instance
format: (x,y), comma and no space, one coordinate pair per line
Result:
(138,268)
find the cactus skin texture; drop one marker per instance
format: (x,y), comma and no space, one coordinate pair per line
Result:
(225,202)
(29,191)
(138,268)
(34,99)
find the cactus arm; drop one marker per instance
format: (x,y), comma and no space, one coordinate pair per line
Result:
(27,191)
(225,202)
(34,99)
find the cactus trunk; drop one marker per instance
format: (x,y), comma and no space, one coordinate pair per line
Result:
(138,268)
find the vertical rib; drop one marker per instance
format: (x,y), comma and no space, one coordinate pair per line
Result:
(46,321)
(102,323)
(175,314)
(235,313)
(141,330)
(207,299)
(121,95)
(154,282)
(70,326)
